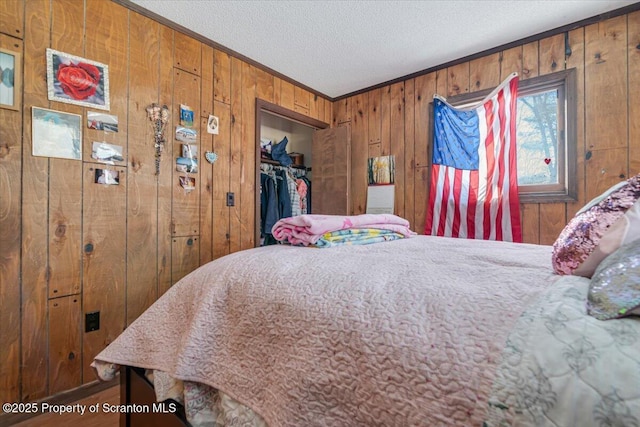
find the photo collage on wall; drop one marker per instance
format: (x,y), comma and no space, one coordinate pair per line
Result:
(187,162)
(83,82)
(102,151)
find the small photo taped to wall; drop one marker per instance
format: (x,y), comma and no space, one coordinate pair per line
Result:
(186,134)
(213,123)
(188,183)
(186,115)
(107,153)
(185,164)
(190,151)
(102,121)
(107,177)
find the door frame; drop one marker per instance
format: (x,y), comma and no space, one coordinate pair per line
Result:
(263,106)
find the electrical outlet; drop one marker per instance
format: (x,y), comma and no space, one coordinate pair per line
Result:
(231,199)
(92,321)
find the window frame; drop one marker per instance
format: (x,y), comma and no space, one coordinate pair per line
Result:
(565,81)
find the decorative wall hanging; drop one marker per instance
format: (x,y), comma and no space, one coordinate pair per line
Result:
(210,156)
(10,75)
(213,125)
(76,80)
(56,134)
(159,116)
(381,170)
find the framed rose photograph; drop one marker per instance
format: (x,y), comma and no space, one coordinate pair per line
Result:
(76,80)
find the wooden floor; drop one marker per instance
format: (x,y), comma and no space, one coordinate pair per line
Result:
(99,419)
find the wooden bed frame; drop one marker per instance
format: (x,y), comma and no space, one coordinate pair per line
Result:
(135,389)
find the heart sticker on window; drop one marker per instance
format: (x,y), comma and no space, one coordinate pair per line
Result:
(547,161)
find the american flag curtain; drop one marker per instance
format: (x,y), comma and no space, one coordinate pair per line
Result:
(474,182)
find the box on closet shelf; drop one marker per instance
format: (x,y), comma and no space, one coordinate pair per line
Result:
(297,158)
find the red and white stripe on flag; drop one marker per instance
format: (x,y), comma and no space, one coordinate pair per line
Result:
(482,203)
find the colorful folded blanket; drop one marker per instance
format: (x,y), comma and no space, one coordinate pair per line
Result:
(308,229)
(356,236)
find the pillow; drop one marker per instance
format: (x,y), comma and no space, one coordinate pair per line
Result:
(614,290)
(602,226)
(279,152)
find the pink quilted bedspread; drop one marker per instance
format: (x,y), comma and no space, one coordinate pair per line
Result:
(408,333)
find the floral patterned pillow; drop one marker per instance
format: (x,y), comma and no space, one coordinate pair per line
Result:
(614,290)
(599,229)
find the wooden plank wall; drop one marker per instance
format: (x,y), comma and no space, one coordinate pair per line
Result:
(10,224)
(607,60)
(69,246)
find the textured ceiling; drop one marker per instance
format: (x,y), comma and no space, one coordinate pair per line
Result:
(339,47)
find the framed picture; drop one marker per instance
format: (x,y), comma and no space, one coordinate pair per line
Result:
(56,134)
(381,170)
(76,80)
(10,83)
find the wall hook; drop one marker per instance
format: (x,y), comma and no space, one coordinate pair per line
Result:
(567,46)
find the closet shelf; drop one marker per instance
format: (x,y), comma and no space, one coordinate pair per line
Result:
(277,163)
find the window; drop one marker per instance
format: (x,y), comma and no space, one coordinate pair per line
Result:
(546,137)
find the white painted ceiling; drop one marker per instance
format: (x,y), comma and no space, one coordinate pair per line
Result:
(339,47)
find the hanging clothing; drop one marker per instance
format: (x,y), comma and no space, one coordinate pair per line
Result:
(308,182)
(284,192)
(293,195)
(284,201)
(268,204)
(302,191)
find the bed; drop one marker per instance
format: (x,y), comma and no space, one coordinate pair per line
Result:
(421,331)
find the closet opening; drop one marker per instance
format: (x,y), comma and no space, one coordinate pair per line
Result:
(284,161)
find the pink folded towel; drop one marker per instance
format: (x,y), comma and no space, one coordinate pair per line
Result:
(307,229)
